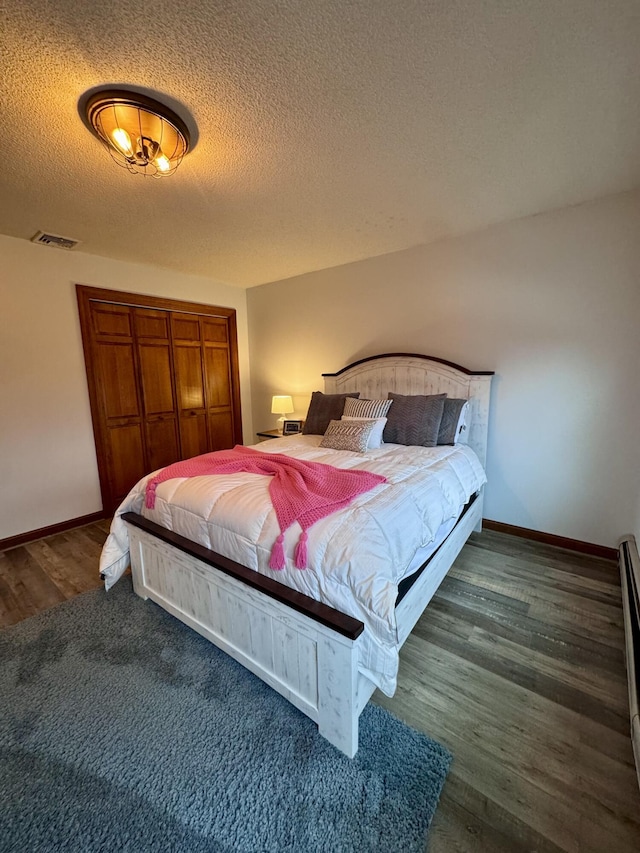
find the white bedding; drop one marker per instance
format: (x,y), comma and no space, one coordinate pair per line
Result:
(357,556)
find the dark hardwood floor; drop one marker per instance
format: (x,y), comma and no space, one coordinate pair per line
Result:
(517,666)
(36,576)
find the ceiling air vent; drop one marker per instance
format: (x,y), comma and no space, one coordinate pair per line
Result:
(54,240)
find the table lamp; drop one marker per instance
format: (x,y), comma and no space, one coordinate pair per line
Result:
(282,405)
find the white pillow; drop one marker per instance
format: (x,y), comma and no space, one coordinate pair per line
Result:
(375,438)
(462,429)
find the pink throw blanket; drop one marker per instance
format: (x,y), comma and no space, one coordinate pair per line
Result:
(300,491)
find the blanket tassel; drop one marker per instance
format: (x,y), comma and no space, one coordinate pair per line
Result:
(301,551)
(277,560)
(150,497)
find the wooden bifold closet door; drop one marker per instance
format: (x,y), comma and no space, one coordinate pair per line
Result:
(163,383)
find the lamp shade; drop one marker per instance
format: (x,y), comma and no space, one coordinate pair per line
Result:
(281,404)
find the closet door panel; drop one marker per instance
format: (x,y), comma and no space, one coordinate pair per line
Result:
(186,327)
(153,334)
(221,430)
(126,458)
(194,438)
(216,360)
(189,379)
(111,320)
(121,421)
(217,371)
(152,324)
(215,330)
(190,384)
(117,379)
(157,385)
(163,446)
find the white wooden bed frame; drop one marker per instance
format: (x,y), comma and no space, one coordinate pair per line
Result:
(306,651)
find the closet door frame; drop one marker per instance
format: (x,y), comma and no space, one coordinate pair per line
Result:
(87,295)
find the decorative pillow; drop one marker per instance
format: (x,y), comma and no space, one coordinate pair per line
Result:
(375,439)
(453,417)
(356,408)
(414,419)
(464,421)
(348,435)
(322,409)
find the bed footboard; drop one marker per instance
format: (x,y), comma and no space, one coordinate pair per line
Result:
(313,666)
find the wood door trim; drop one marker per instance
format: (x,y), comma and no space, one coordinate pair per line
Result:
(87,295)
(83,294)
(234,369)
(140,300)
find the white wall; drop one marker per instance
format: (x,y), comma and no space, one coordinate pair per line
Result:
(551,303)
(48,469)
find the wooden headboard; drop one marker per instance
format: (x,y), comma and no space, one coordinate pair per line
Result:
(408,373)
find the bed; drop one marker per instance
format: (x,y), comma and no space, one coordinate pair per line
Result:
(324,646)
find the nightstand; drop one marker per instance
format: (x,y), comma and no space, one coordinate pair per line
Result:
(269,433)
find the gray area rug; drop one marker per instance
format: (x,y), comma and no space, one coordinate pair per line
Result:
(123,730)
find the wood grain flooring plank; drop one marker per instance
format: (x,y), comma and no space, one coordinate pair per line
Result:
(82,555)
(514,581)
(517,578)
(539,554)
(608,630)
(596,619)
(601,739)
(478,595)
(11,610)
(526,730)
(76,546)
(559,746)
(518,778)
(526,802)
(602,831)
(91,544)
(553,641)
(97,532)
(608,686)
(29,583)
(595,697)
(58,569)
(546,740)
(468,822)
(502,581)
(510,626)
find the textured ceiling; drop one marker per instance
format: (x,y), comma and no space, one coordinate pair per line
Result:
(330,130)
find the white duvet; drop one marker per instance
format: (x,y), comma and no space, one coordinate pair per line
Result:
(356,556)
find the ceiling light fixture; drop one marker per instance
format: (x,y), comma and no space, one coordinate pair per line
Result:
(140,133)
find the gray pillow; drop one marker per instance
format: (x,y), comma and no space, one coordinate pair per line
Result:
(414,419)
(322,409)
(450,417)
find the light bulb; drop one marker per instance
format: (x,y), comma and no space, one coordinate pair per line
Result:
(163,163)
(122,141)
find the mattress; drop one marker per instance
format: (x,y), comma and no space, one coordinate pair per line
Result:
(357,556)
